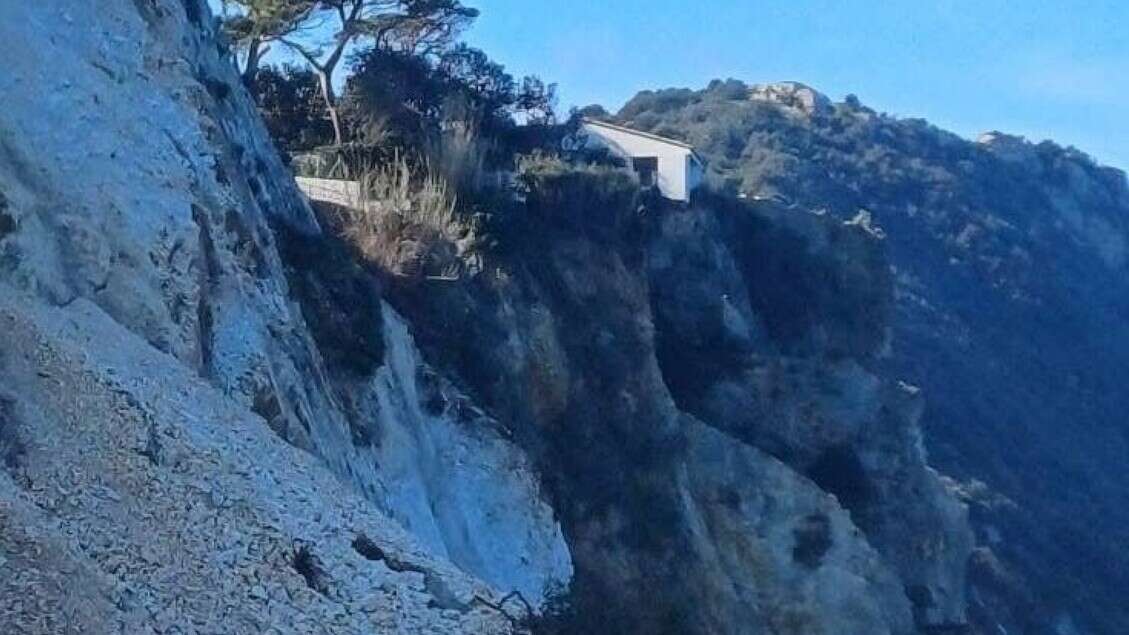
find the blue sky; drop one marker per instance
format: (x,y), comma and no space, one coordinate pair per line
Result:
(1043,69)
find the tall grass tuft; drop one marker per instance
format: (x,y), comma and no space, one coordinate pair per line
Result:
(406,222)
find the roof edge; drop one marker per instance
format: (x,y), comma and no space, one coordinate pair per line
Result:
(647,135)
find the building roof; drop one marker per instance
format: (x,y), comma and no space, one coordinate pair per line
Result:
(646,135)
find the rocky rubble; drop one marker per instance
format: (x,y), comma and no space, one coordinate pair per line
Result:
(144,500)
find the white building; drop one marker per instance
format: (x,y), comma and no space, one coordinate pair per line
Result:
(671,165)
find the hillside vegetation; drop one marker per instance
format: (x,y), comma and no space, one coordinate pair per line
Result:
(1011,308)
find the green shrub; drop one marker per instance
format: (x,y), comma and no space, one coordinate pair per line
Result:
(577,194)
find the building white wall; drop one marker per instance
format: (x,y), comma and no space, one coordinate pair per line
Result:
(678,172)
(695,174)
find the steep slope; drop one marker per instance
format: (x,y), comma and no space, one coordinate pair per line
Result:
(138,498)
(1009,263)
(141,211)
(814,399)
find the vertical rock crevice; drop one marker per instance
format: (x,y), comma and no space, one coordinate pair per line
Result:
(209,272)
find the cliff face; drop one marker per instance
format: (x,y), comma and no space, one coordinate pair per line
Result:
(773,337)
(163,395)
(214,417)
(1009,274)
(693,385)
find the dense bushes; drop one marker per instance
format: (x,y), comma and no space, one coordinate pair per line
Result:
(292,107)
(459,111)
(414,221)
(579,194)
(400,100)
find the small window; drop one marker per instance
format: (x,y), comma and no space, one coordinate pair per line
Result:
(648,170)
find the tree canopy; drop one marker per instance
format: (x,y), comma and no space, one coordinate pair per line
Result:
(252,25)
(407,26)
(291,105)
(408,98)
(320,32)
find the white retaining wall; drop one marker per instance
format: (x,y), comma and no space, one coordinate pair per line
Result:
(335,191)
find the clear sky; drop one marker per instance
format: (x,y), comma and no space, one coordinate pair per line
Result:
(1040,68)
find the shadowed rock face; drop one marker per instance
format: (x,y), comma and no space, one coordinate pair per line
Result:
(798,378)
(693,391)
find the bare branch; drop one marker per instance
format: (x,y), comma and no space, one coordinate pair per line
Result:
(500,606)
(310,56)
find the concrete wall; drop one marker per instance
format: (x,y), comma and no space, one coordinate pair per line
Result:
(338,192)
(675,180)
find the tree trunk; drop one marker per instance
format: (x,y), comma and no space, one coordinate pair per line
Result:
(325,80)
(251,68)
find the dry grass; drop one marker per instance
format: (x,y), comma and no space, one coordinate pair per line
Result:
(406,222)
(460,155)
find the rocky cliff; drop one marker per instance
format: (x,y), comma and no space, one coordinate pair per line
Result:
(696,386)
(179,456)
(634,417)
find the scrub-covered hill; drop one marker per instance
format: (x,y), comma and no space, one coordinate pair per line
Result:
(1011,304)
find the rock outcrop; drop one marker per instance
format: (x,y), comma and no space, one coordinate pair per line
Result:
(694,386)
(778,347)
(793,97)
